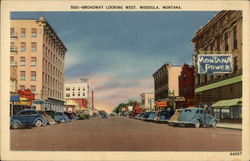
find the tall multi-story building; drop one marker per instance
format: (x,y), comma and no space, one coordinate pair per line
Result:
(147,101)
(223,34)
(166,82)
(38,53)
(186,84)
(78,92)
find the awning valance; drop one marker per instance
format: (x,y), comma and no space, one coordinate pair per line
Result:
(228,103)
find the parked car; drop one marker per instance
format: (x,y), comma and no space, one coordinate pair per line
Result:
(61,117)
(151,116)
(164,115)
(82,115)
(144,116)
(71,115)
(194,116)
(104,115)
(48,118)
(27,117)
(51,113)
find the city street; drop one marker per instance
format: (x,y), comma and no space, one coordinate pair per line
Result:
(124,134)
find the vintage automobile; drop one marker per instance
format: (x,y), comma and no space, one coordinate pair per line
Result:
(27,117)
(151,116)
(71,115)
(48,118)
(61,117)
(82,115)
(194,116)
(164,115)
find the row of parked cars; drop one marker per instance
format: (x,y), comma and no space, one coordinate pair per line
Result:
(194,116)
(31,117)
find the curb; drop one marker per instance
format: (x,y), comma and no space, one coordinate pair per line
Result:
(228,128)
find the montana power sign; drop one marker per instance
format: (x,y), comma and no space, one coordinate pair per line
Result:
(215,63)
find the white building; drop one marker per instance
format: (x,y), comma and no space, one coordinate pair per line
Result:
(147,101)
(77,90)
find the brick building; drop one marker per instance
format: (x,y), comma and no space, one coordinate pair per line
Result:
(186,84)
(222,35)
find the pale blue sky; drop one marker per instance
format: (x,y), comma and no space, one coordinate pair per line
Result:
(123,47)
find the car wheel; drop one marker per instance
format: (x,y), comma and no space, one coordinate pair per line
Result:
(214,123)
(38,123)
(15,125)
(62,121)
(197,124)
(51,121)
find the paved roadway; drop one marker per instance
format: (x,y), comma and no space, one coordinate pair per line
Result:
(124,134)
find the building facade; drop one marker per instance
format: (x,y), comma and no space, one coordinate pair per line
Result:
(38,54)
(222,35)
(147,101)
(186,84)
(78,91)
(166,82)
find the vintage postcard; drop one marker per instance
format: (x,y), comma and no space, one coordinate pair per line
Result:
(125,80)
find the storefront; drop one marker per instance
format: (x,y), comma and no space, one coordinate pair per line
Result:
(228,110)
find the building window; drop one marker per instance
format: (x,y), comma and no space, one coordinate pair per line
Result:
(22,87)
(12,47)
(12,33)
(73,89)
(226,41)
(79,89)
(22,61)
(83,94)
(33,32)
(67,95)
(23,32)
(78,94)
(33,75)
(218,44)
(22,75)
(33,88)
(12,61)
(235,64)
(23,47)
(33,47)
(73,94)
(67,89)
(235,37)
(33,61)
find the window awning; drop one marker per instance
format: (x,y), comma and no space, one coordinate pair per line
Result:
(228,103)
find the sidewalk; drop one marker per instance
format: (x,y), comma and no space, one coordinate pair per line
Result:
(229,126)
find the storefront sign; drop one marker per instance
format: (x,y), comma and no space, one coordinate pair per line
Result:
(214,63)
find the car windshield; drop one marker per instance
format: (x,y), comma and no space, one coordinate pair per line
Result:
(187,110)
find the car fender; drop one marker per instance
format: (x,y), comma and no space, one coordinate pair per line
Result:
(16,121)
(44,122)
(212,120)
